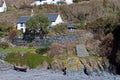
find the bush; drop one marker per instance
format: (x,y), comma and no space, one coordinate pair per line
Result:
(25,6)
(13,34)
(30,45)
(60,28)
(42,50)
(57,49)
(5,28)
(1,34)
(4,45)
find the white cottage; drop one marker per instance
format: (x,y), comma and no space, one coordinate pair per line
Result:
(21,23)
(54,18)
(3,6)
(41,2)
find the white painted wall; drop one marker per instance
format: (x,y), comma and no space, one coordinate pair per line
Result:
(41,2)
(58,21)
(69,1)
(19,27)
(50,2)
(3,8)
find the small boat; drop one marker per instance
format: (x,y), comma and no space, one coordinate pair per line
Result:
(19,68)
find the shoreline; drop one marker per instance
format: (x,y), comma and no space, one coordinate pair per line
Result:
(43,74)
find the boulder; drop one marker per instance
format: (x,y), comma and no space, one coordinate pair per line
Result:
(4,65)
(74,64)
(71,64)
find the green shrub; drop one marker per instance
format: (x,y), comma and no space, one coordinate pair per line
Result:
(1,34)
(30,45)
(60,28)
(4,45)
(42,50)
(29,59)
(5,28)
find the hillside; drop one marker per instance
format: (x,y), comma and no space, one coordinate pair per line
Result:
(84,11)
(100,17)
(18,3)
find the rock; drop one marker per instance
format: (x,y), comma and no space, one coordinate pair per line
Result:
(55,64)
(81,51)
(3,55)
(4,65)
(45,65)
(87,71)
(74,64)
(3,40)
(92,64)
(71,64)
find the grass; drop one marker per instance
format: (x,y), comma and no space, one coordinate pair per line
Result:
(13,50)
(29,59)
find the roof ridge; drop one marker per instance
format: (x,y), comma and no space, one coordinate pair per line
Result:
(25,16)
(51,13)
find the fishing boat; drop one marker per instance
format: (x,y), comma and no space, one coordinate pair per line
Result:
(19,68)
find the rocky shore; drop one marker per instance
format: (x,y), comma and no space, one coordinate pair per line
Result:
(7,73)
(42,74)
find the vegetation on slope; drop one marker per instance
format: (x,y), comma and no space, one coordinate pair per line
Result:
(28,59)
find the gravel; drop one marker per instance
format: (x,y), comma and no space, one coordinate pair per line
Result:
(41,74)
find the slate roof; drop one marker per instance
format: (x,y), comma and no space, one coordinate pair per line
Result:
(52,17)
(23,19)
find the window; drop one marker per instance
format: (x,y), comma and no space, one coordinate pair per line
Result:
(21,24)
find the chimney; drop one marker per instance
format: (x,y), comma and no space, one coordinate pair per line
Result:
(32,12)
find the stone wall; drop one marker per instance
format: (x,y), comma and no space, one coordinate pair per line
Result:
(62,39)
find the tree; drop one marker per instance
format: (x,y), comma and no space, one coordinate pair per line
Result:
(60,28)
(37,25)
(12,34)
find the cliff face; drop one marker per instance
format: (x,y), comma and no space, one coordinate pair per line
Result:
(87,64)
(111,48)
(114,57)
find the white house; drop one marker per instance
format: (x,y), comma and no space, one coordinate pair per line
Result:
(41,2)
(21,23)
(3,6)
(54,18)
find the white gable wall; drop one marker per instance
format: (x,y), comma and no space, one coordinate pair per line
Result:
(40,3)
(3,8)
(21,26)
(58,21)
(55,1)
(50,2)
(69,1)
